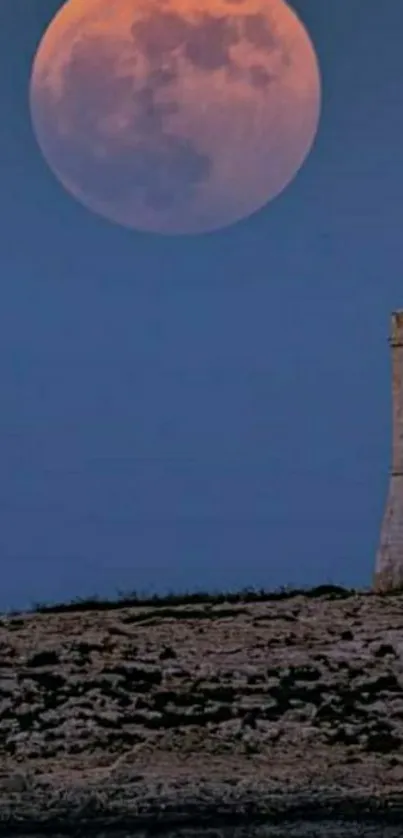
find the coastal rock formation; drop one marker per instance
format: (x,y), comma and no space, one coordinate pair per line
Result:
(159,712)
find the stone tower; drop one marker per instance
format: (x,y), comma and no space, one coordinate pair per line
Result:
(389,560)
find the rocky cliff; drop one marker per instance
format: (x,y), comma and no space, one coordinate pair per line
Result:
(138,715)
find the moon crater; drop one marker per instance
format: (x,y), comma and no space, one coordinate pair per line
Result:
(177,116)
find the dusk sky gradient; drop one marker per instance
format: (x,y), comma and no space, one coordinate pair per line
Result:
(213,411)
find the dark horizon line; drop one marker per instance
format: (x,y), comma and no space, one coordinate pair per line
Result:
(248,594)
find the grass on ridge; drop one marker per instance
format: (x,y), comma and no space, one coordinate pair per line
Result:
(125,600)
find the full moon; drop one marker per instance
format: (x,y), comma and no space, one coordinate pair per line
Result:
(175,116)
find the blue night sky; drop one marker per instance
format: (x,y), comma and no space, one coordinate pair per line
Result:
(213,411)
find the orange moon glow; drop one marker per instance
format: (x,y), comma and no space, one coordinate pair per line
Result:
(175,116)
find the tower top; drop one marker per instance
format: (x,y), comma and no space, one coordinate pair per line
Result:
(396,332)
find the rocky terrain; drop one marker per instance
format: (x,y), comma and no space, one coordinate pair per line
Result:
(202,713)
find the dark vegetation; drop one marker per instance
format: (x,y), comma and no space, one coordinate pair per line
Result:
(173,600)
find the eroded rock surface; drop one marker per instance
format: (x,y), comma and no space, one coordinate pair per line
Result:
(142,712)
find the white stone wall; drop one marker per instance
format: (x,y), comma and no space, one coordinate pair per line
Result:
(389,560)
